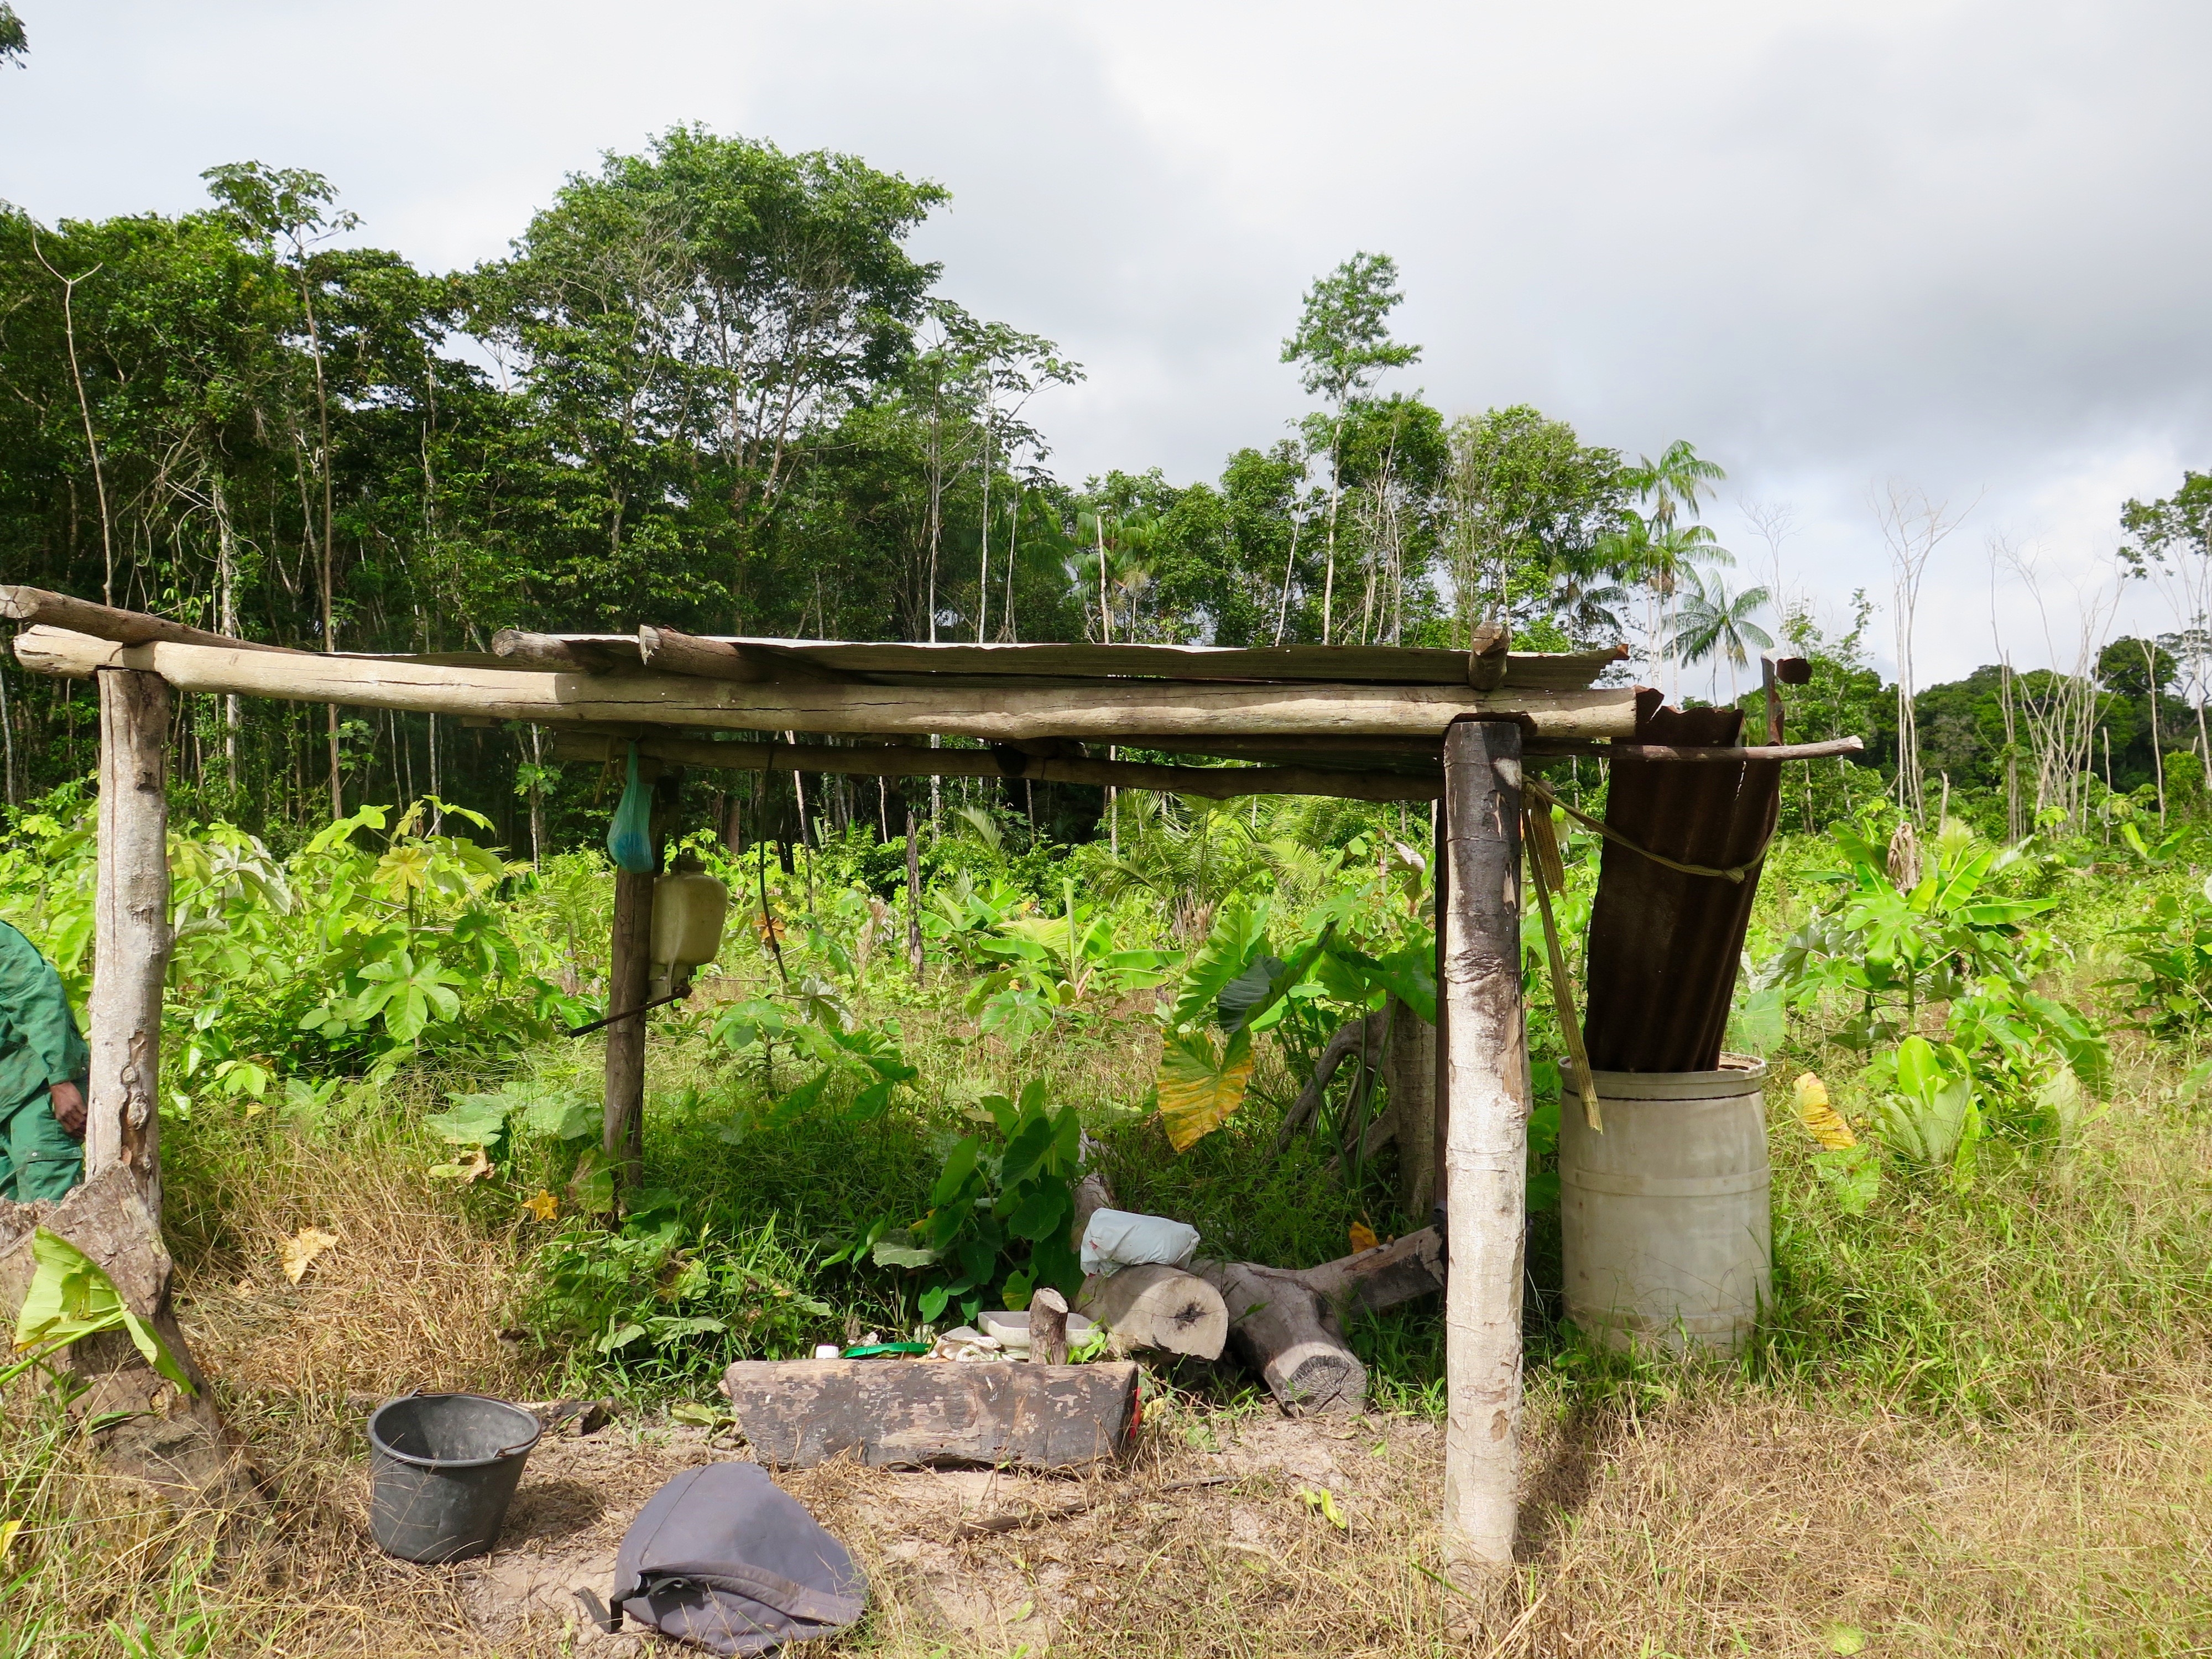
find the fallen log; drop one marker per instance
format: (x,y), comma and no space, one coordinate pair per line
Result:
(1156,1307)
(1288,1324)
(930,1414)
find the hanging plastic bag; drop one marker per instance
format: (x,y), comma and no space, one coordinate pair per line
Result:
(629,837)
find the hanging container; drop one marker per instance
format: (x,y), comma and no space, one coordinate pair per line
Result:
(688,907)
(1665,1217)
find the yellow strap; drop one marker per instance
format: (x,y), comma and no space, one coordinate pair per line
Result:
(1536,787)
(1549,871)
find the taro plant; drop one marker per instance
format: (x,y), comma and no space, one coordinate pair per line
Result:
(999,1214)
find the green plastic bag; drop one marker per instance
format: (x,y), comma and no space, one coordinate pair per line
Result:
(629,837)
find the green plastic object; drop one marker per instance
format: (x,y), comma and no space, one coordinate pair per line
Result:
(885,1350)
(629,837)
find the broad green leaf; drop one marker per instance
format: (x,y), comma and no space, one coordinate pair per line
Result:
(565,1115)
(953,1179)
(473,1120)
(70,1298)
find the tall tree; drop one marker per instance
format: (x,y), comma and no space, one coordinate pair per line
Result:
(1342,344)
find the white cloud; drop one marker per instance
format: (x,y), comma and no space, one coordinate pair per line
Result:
(1954,243)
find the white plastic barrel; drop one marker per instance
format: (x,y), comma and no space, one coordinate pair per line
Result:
(689,906)
(1665,1218)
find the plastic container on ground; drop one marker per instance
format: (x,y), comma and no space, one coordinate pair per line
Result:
(443,1468)
(1665,1218)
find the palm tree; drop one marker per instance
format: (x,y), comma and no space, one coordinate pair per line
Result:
(1709,622)
(1675,482)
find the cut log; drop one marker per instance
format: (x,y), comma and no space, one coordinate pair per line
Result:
(1106,711)
(1156,1307)
(172,1442)
(673,653)
(1048,1327)
(927,1414)
(1290,1335)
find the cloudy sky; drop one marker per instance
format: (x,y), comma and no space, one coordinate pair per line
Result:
(1960,248)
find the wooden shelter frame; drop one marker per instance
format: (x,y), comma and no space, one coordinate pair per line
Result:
(1381,723)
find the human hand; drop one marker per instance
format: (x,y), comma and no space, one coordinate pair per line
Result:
(68,1110)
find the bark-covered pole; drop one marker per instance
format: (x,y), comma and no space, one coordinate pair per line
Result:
(130,939)
(1485,1104)
(630,967)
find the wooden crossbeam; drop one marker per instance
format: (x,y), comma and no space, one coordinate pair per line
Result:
(1104,712)
(884,760)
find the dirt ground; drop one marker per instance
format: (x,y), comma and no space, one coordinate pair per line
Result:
(1252,1487)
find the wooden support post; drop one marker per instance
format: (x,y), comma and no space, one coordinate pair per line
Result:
(130,943)
(1483,1051)
(629,967)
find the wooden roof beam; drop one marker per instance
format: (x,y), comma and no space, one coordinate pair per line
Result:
(901,761)
(1098,713)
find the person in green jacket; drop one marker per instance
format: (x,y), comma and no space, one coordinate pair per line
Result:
(43,1064)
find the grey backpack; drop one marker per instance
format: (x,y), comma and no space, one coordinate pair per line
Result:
(724,1557)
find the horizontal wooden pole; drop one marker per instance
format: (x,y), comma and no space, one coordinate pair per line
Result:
(36,605)
(1387,665)
(1106,712)
(894,760)
(1539,750)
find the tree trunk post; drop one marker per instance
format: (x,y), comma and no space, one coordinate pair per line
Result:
(130,948)
(1483,1055)
(629,967)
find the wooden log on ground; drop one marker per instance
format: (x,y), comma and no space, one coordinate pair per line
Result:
(1485,1059)
(1048,1327)
(930,1414)
(899,759)
(1159,1307)
(131,940)
(1280,1327)
(1105,712)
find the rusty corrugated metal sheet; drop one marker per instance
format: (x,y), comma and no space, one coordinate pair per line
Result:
(1664,946)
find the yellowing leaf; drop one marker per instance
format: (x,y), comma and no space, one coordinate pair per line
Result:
(7,1531)
(544,1205)
(303,1248)
(1821,1121)
(1197,1090)
(1362,1238)
(475,1167)
(1323,1502)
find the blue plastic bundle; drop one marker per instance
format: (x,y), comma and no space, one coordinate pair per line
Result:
(629,837)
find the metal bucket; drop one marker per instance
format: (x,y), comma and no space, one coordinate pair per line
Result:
(1665,1219)
(442,1470)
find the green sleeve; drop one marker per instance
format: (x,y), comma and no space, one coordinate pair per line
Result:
(34,1012)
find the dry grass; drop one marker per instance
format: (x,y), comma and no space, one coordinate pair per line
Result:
(1669,1512)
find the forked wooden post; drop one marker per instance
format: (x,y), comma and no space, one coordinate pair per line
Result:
(130,932)
(1482,1045)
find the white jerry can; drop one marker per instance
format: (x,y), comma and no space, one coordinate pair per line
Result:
(688,907)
